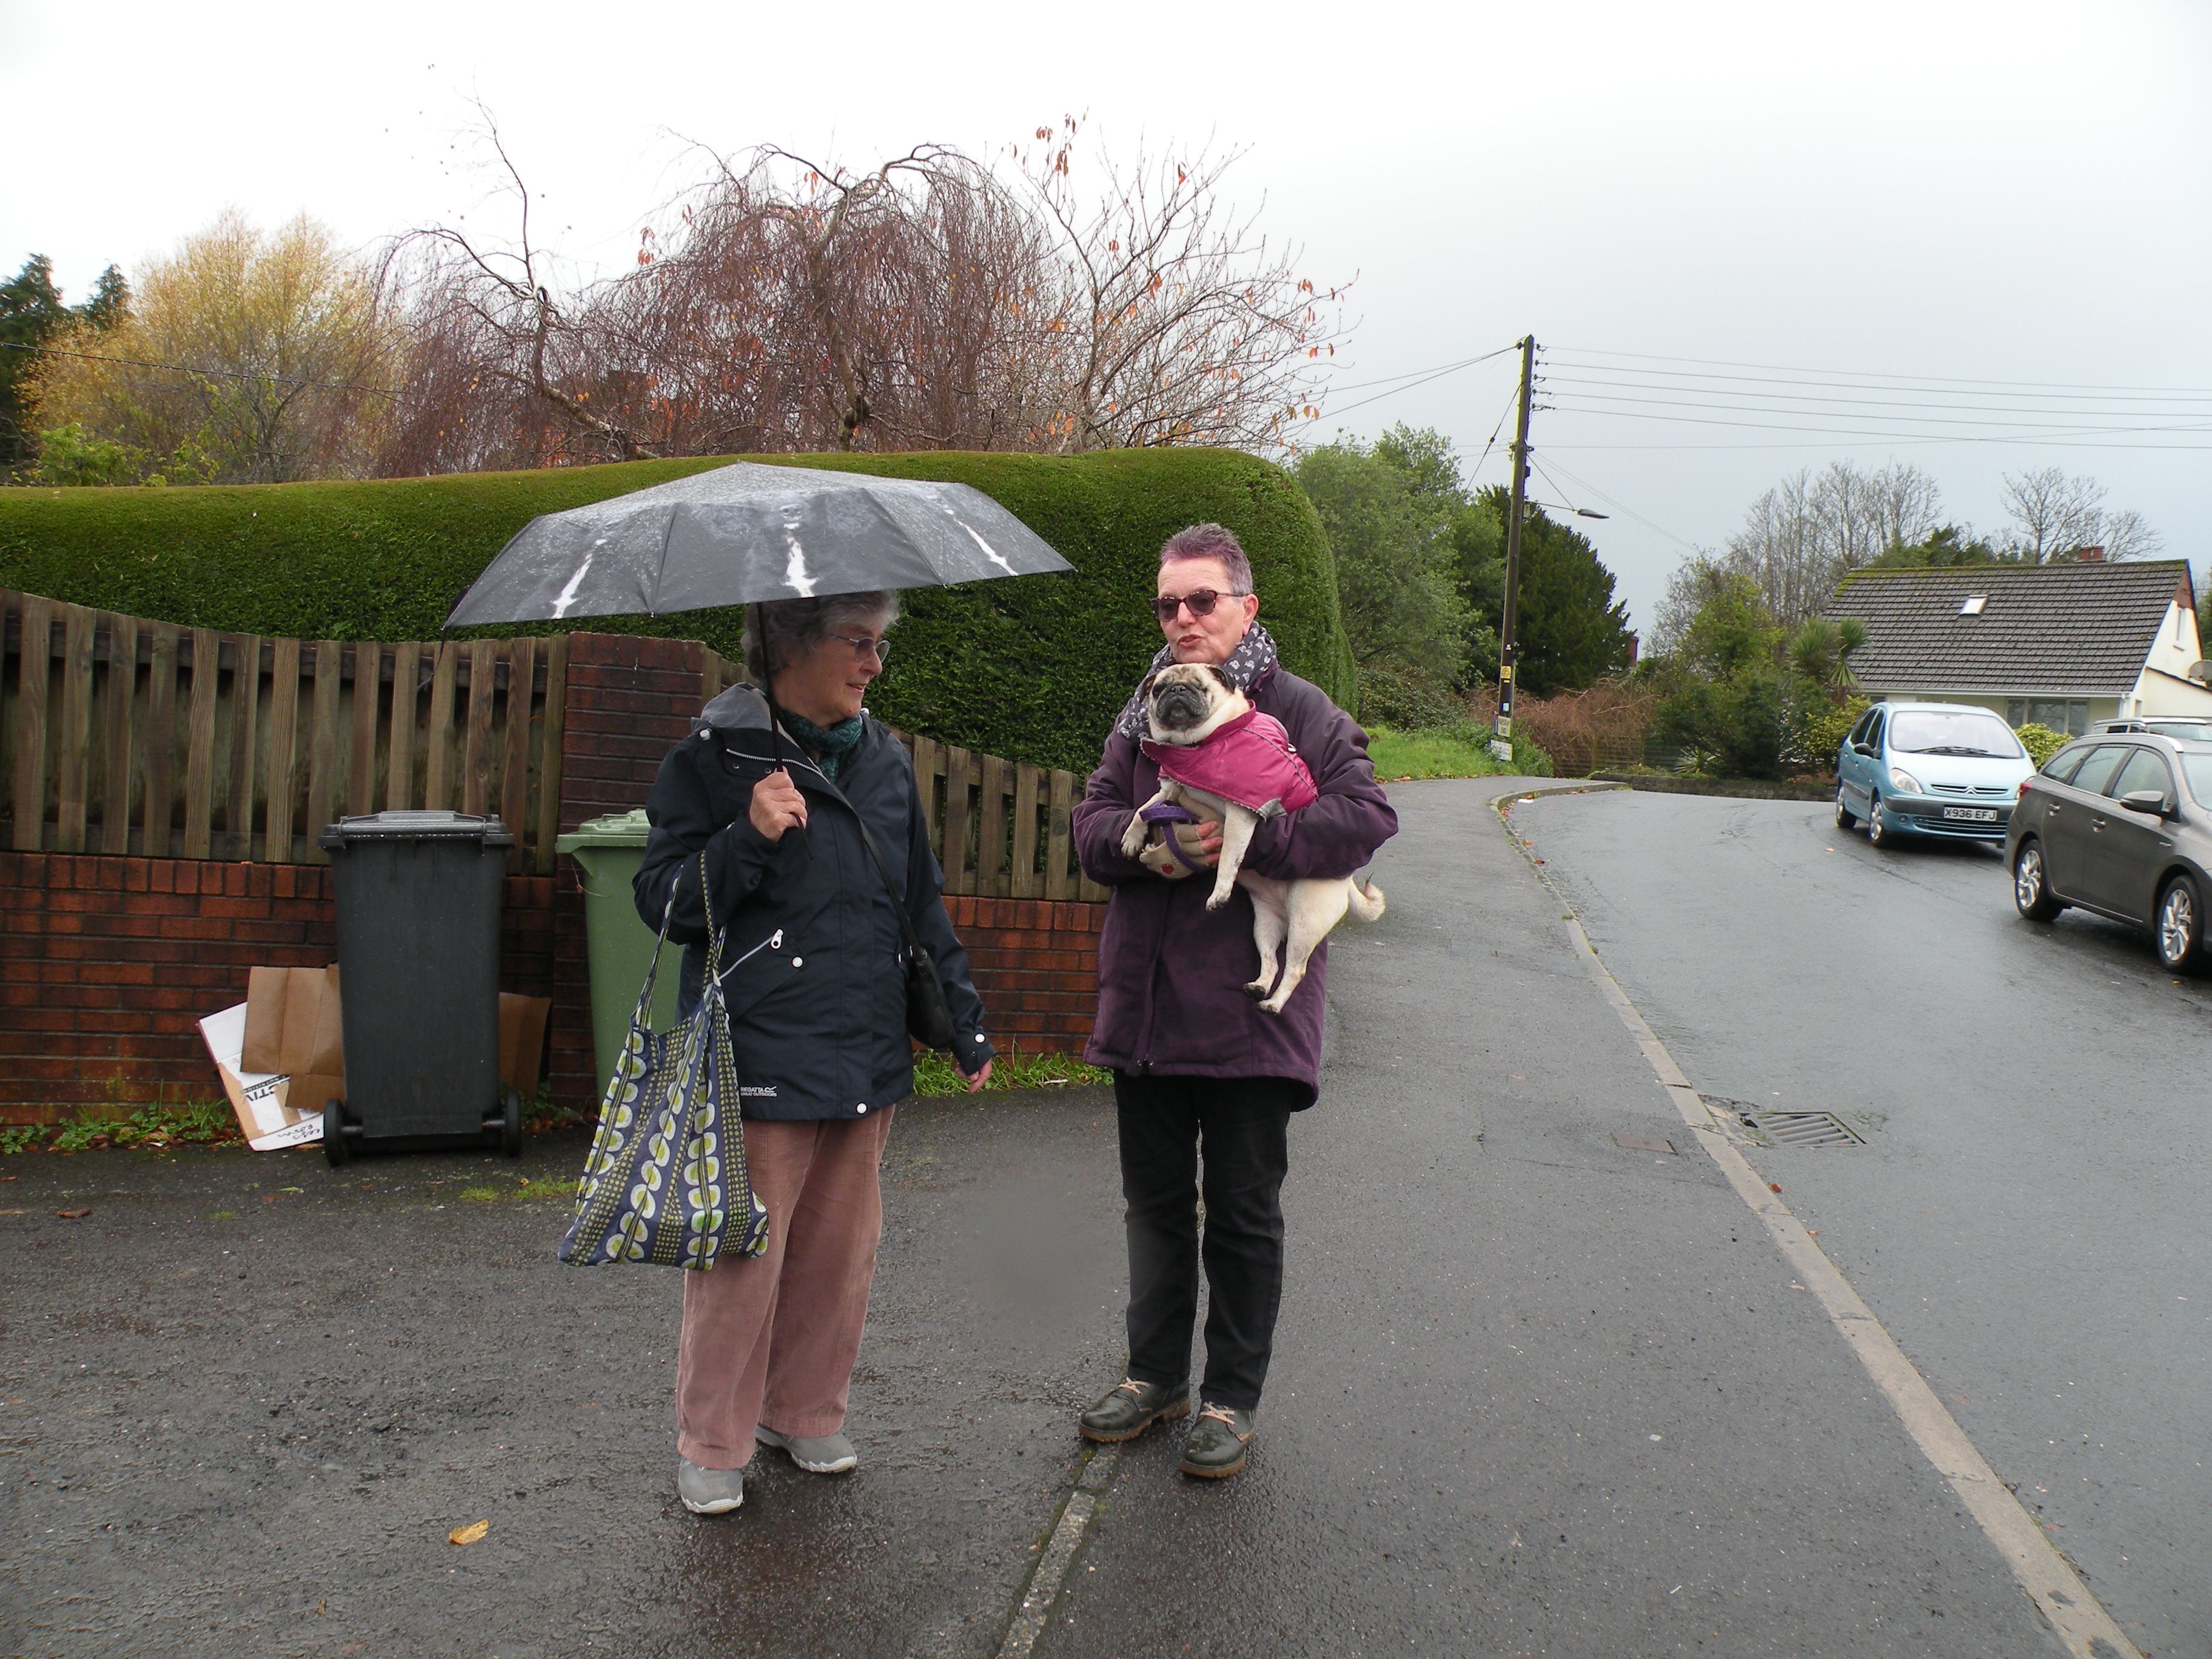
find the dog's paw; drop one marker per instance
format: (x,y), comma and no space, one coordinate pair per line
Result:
(1256,990)
(1215,900)
(1272,1006)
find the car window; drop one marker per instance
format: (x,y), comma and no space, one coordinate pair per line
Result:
(1859,732)
(1951,731)
(2197,768)
(1873,738)
(2061,765)
(2195,731)
(2146,769)
(2096,771)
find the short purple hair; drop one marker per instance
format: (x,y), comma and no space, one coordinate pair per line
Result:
(1211,541)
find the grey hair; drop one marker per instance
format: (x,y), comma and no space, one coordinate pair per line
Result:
(1212,541)
(795,626)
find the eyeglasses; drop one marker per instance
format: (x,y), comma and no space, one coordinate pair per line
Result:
(863,647)
(1201,603)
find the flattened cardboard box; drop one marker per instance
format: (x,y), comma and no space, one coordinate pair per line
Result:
(281,1054)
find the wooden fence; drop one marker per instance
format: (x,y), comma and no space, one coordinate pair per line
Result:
(999,828)
(123,736)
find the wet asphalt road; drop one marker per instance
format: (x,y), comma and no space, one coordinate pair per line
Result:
(1535,1393)
(2029,1215)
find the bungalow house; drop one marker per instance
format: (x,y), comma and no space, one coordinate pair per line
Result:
(2059,645)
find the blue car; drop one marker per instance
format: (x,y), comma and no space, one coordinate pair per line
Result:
(1945,769)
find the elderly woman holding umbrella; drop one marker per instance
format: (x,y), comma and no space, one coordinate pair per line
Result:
(817,993)
(797,817)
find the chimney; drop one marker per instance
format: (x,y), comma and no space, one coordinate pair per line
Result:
(2091,555)
(1632,650)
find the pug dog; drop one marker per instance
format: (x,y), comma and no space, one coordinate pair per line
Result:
(1222,758)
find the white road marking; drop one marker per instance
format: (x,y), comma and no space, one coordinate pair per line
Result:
(1044,1585)
(2058,1593)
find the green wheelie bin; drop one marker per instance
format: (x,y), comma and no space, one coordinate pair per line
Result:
(608,851)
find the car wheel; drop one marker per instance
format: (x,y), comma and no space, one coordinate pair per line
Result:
(2180,926)
(1880,831)
(2031,892)
(1845,819)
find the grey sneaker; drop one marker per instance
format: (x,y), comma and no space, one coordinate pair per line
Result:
(708,1491)
(1129,1407)
(831,1454)
(1218,1443)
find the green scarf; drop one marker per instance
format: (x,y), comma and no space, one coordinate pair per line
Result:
(830,744)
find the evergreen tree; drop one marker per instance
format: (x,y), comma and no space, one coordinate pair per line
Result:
(1570,632)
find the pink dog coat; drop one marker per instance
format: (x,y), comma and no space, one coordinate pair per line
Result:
(1249,761)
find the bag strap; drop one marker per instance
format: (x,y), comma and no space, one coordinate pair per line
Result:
(914,951)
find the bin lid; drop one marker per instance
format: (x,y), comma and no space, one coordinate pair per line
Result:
(615,830)
(438,825)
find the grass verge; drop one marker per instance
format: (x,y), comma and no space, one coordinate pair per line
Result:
(1449,752)
(935,1074)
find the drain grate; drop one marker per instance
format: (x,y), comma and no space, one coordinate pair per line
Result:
(1771,1127)
(1804,1128)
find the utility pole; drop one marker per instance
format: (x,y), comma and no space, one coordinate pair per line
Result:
(1501,742)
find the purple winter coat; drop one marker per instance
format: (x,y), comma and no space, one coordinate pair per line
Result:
(1170,973)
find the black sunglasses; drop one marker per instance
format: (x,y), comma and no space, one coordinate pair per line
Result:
(1201,604)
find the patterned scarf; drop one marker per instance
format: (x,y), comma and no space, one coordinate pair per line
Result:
(829,744)
(1253,656)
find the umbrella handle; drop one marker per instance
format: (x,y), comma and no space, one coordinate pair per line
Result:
(768,688)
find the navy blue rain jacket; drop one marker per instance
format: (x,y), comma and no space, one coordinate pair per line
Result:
(814,970)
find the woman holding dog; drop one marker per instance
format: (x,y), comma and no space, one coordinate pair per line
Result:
(1197,1062)
(816,988)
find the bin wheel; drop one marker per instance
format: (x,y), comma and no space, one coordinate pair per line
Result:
(334,1135)
(510,1127)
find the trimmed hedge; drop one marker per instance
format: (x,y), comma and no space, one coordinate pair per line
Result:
(1031,668)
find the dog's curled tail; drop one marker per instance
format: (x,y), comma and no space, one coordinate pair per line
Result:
(1365,904)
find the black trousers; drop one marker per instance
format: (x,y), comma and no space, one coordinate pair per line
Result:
(1242,1124)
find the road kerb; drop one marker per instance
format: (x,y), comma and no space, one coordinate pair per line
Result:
(1058,1553)
(2079,1619)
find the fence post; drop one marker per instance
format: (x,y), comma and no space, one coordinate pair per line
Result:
(34,666)
(75,733)
(245,720)
(199,744)
(283,759)
(160,804)
(122,695)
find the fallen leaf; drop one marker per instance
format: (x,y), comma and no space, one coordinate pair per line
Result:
(14,1213)
(469,1534)
(1774,1186)
(72,1215)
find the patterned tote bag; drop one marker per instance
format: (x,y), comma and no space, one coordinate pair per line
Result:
(666,1183)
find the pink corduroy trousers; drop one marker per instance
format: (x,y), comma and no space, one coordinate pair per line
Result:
(770,1339)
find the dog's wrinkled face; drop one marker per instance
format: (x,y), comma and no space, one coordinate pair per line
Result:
(1188,701)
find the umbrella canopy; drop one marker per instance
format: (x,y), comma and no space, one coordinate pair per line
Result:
(747,532)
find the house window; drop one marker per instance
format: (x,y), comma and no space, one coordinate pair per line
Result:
(2069,715)
(1974,602)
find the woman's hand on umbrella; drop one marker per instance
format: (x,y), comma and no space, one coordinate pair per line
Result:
(976,1081)
(777,805)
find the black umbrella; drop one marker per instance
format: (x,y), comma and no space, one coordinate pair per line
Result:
(747,532)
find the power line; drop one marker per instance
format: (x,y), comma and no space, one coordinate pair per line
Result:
(1411,373)
(208,374)
(1863,375)
(2112,405)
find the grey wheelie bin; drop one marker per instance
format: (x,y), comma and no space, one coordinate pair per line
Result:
(608,852)
(418,903)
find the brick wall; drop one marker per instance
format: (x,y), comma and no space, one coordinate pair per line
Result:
(106,965)
(1036,964)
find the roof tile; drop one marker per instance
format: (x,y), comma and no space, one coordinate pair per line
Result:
(2076,629)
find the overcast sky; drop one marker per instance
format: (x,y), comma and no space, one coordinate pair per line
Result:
(1905,199)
